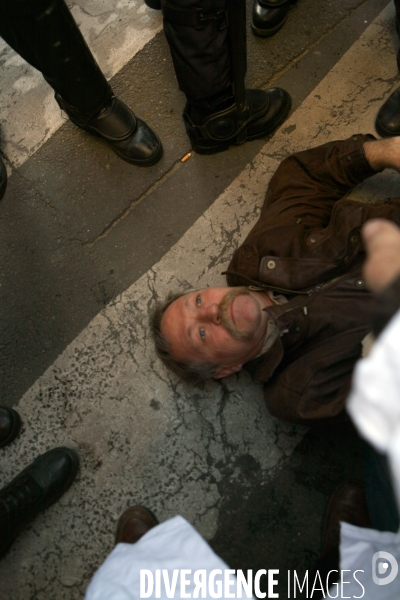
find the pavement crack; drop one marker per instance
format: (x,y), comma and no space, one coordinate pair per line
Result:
(177,165)
(32,185)
(279,72)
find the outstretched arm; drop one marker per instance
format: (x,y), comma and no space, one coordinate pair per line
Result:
(382,269)
(382,154)
(382,243)
(307,216)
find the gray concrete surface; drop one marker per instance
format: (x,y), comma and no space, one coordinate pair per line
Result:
(106,221)
(89,243)
(115,30)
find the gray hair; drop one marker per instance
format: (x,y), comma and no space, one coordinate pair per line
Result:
(193,371)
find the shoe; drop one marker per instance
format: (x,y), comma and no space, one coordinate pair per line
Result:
(133,524)
(263,112)
(127,135)
(10,425)
(269,16)
(388,118)
(155,4)
(3,178)
(349,504)
(36,488)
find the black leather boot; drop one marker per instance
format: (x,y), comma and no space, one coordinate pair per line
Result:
(36,488)
(155,4)
(3,178)
(10,425)
(269,16)
(207,40)
(214,130)
(45,34)
(127,135)
(388,118)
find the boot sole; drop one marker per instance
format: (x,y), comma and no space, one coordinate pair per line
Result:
(226,145)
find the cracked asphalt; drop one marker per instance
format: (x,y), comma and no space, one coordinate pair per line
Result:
(88,243)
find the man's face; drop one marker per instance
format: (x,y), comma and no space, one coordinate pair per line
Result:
(225,326)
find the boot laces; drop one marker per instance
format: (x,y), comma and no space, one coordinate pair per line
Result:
(21,498)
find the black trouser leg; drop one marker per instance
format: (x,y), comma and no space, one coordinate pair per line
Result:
(207,40)
(381,500)
(199,34)
(45,34)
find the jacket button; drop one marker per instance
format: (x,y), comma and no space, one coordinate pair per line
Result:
(359,283)
(248,255)
(297,329)
(313,239)
(354,239)
(271,264)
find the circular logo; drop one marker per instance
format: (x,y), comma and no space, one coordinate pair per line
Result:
(384,568)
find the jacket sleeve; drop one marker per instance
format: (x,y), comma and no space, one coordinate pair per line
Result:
(325,173)
(308,232)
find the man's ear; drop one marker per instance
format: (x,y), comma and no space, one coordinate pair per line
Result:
(225,371)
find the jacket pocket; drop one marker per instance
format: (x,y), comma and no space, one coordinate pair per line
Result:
(295,273)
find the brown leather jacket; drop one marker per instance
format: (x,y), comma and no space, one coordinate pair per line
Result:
(307,244)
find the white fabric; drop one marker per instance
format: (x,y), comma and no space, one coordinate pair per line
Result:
(358,546)
(374,405)
(174,544)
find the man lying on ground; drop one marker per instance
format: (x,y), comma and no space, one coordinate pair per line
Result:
(296,309)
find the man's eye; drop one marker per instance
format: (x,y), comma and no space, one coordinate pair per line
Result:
(202,334)
(198,300)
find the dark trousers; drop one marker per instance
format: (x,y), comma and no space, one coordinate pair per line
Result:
(205,60)
(45,34)
(381,504)
(381,501)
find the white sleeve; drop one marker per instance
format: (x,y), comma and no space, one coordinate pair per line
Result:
(374,402)
(172,545)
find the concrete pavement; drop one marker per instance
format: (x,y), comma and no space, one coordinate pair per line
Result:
(90,242)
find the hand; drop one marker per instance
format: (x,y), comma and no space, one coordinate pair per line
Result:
(382,154)
(382,242)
